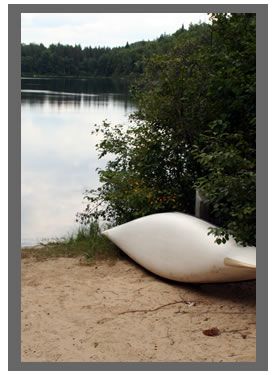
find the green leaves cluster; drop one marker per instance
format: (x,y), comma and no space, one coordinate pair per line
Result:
(195,128)
(228,182)
(226,150)
(142,177)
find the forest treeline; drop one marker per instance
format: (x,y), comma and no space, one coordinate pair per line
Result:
(67,60)
(195,129)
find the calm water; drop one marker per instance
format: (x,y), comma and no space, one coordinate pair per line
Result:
(59,159)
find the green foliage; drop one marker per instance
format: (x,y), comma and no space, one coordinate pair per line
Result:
(226,150)
(194,129)
(228,182)
(66,60)
(141,179)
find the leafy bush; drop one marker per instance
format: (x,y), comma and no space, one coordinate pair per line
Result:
(141,179)
(195,128)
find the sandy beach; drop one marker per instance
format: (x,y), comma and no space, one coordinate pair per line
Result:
(72,312)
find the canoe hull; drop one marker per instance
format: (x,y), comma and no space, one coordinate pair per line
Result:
(177,246)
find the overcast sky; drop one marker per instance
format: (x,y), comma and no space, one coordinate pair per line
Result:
(101,29)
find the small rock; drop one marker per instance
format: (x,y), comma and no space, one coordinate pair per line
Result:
(212,332)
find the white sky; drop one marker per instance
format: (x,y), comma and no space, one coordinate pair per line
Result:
(101,29)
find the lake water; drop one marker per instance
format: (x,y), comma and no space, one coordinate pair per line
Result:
(58,156)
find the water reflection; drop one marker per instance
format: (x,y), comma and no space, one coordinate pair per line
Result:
(59,158)
(39,98)
(74,85)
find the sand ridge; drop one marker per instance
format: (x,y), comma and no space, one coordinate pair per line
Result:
(120,312)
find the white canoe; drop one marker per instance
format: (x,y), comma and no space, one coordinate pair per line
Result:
(177,246)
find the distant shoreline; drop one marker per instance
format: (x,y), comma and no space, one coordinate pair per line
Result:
(37,76)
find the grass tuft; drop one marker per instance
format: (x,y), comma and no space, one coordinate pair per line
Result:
(88,242)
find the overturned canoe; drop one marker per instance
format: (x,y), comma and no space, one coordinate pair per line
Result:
(177,246)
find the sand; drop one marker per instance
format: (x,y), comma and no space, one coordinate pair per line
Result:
(120,312)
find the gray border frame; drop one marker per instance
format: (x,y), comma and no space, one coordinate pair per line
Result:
(14,232)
